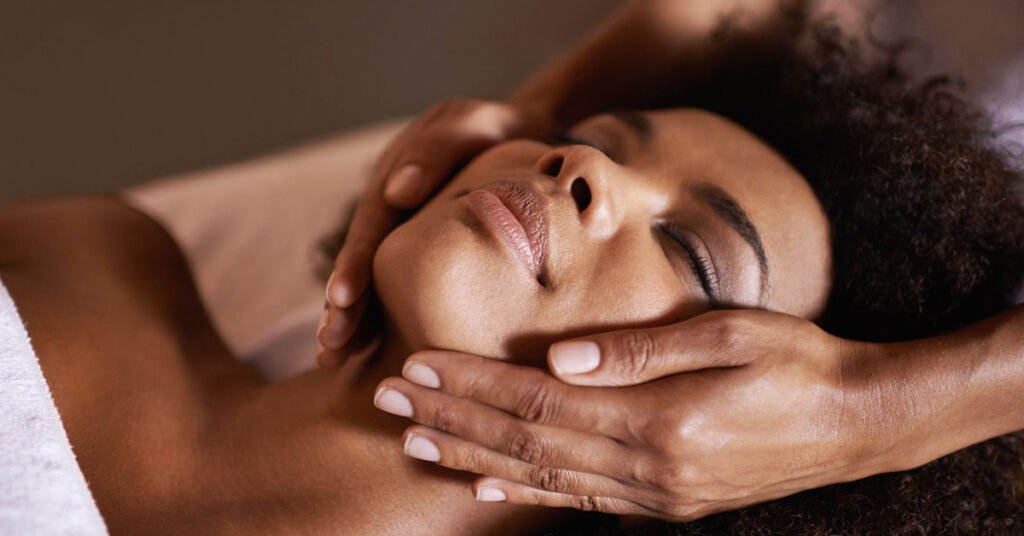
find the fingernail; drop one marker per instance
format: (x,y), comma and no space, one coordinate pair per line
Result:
(329,334)
(402,182)
(393,402)
(490,495)
(338,293)
(421,374)
(331,338)
(323,320)
(421,448)
(330,285)
(575,357)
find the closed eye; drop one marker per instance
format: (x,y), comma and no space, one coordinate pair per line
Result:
(569,139)
(702,267)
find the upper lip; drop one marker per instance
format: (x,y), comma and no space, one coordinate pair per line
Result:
(531,208)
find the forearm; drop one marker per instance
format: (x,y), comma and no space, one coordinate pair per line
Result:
(940,395)
(643,56)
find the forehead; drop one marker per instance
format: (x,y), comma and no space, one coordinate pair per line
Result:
(689,147)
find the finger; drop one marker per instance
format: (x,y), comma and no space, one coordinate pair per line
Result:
(340,324)
(428,161)
(528,393)
(361,342)
(365,333)
(372,221)
(449,451)
(634,356)
(325,358)
(537,446)
(368,331)
(488,489)
(435,151)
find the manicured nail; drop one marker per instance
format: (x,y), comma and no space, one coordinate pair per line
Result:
(490,495)
(338,293)
(330,285)
(422,448)
(393,402)
(575,357)
(421,374)
(403,182)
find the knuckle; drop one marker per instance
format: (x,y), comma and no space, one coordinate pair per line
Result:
(538,405)
(732,331)
(669,434)
(587,503)
(469,386)
(681,513)
(551,479)
(443,418)
(472,460)
(679,484)
(648,472)
(672,481)
(526,446)
(638,352)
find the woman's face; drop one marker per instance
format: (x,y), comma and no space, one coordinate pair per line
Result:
(645,219)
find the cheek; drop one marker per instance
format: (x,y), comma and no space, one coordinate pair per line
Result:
(637,286)
(445,287)
(628,283)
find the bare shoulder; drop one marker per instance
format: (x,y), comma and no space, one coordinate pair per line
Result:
(42,238)
(95,266)
(122,338)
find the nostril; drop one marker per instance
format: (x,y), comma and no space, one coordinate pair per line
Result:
(580,193)
(554,167)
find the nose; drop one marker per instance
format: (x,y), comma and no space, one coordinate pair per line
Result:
(584,173)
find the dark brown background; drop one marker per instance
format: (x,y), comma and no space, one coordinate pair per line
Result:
(99,94)
(96,95)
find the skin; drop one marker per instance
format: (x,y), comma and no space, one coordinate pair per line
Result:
(601,73)
(175,436)
(448,283)
(647,55)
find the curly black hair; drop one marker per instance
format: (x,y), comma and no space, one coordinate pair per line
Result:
(927,235)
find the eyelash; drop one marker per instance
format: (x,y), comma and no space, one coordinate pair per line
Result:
(701,265)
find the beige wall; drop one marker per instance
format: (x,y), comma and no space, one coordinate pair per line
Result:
(99,94)
(95,95)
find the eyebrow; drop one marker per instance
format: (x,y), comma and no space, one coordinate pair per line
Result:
(636,122)
(721,202)
(730,210)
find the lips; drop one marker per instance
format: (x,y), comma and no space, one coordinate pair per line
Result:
(518,215)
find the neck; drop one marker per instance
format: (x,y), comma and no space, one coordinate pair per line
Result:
(441,497)
(385,359)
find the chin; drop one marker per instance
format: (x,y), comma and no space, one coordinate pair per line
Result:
(443,287)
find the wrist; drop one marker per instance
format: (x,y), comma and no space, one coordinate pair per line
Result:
(873,424)
(916,401)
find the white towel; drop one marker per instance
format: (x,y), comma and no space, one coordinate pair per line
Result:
(42,490)
(250,232)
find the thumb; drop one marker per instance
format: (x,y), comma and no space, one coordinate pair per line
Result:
(634,356)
